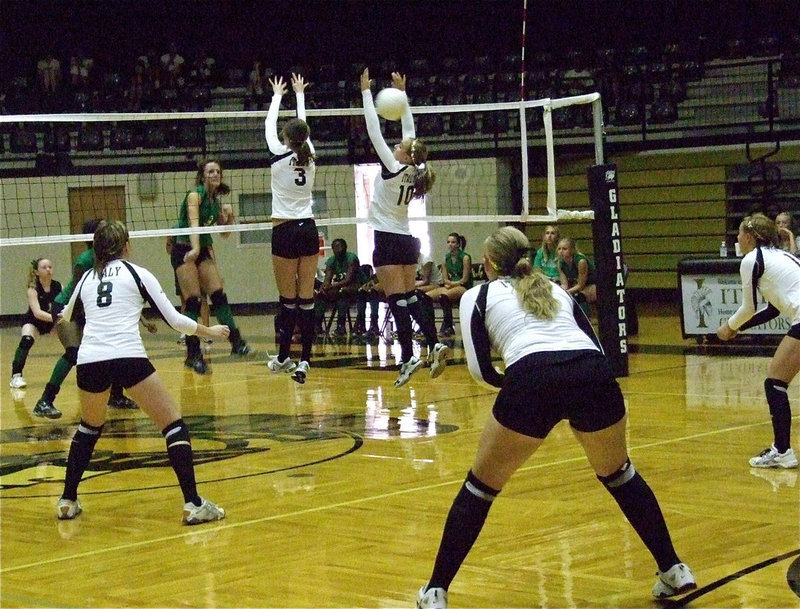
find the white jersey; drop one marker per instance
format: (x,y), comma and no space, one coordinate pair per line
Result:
(776,275)
(394,186)
(113,306)
(436,270)
(291,183)
(515,333)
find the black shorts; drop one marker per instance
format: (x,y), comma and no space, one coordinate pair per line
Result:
(96,377)
(295,238)
(44,327)
(393,249)
(179,250)
(794,332)
(541,389)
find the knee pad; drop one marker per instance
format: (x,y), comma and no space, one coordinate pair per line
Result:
(621,476)
(219,298)
(777,395)
(287,303)
(176,433)
(71,355)
(193,306)
(306,304)
(26,342)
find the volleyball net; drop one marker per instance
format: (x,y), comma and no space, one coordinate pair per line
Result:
(58,170)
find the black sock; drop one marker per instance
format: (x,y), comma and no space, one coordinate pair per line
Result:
(780,411)
(399,308)
(641,508)
(80,453)
(423,316)
(179,450)
(305,321)
(288,318)
(463,525)
(21,354)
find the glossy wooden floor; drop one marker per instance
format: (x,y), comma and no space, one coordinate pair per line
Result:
(337,490)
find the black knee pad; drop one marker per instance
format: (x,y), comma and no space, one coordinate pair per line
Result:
(219,298)
(71,355)
(176,432)
(777,395)
(26,342)
(193,305)
(305,304)
(621,476)
(287,303)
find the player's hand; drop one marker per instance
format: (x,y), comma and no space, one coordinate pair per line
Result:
(298,84)
(399,81)
(225,214)
(219,331)
(365,81)
(191,255)
(725,333)
(278,85)
(151,327)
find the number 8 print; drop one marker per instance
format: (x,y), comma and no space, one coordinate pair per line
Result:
(104,289)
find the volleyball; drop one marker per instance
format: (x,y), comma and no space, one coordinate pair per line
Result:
(391,103)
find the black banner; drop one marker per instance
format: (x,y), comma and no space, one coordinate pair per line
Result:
(610,269)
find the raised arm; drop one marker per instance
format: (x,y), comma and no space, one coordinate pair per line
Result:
(271,122)
(300,85)
(407,120)
(373,124)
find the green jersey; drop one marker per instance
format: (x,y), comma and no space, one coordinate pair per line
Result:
(209,213)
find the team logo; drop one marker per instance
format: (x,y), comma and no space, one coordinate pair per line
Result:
(610,175)
(262,443)
(701,303)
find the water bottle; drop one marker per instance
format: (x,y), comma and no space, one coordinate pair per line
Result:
(723,250)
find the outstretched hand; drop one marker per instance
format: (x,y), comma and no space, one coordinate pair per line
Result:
(219,331)
(399,81)
(366,84)
(298,84)
(278,85)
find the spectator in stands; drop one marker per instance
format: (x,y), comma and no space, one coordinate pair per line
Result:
(48,71)
(172,66)
(576,273)
(80,71)
(457,273)
(546,258)
(786,237)
(340,285)
(255,88)
(135,93)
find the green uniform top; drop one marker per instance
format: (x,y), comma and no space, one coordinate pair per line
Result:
(547,263)
(85,261)
(209,213)
(339,266)
(455,267)
(571,271)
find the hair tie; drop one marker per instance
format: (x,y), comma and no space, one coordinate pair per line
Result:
(35,264)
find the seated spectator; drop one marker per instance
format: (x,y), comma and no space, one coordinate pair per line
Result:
(429,275)
(576,273)
(340,286)
(546,258)
(457,273)
(786,239)
(80,71)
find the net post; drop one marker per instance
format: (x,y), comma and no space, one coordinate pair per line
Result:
(609,266)
(598,129)
(523,136)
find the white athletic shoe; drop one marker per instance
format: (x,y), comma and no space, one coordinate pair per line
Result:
(301,372)
(277,366)
(407,369)
(434,598)
(677,580)
(770,457)
(205,512)
(17,382)
(437,358)
(67,510)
